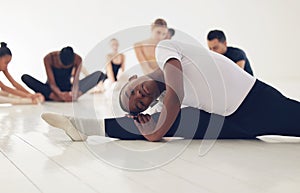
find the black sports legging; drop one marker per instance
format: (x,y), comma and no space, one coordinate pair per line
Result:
(44,88)
(264,111)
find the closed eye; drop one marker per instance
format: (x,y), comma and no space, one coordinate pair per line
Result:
(137,107)
(141,93)
(142,104)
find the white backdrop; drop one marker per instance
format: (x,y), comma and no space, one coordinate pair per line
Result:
(268,30)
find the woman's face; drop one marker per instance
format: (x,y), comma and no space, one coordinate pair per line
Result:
(114,44)
(159,33)
(138,94)
(4,60)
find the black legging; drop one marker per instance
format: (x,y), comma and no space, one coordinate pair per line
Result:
(84,85)
(264,111)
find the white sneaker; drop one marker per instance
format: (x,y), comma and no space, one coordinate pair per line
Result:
(64,123)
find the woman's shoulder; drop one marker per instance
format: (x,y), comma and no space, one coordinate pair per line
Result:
(109,55)
(52,54)
(77,59)
(143,42)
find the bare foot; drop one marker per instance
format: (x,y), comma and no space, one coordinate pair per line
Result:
(54,97)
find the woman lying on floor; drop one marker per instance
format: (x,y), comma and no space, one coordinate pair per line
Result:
(18,94)
(59,87)
(224,102)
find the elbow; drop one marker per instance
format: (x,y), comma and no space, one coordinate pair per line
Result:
(1,85)
(4,87)
(153,137)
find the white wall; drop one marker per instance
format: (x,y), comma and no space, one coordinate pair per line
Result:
(268,30)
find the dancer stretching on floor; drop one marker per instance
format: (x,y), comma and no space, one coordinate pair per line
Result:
(219,95)
(18,94)
(59,87)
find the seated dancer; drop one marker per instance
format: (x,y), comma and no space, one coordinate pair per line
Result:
(170,34)
(59,87)
(145,50)
(115,66)
(216,41)
(18,94)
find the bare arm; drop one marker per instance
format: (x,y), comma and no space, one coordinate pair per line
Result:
(78,65)
(15,83)
(172,101)
(146,67)
(241,63)
(109,70)
(123,63)
(50,76)
(14,91)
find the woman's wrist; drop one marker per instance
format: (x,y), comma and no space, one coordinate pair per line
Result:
(29,95)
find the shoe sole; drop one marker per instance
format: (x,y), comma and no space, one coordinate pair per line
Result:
(62,122)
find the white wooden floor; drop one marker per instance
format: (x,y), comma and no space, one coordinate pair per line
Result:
(35,157)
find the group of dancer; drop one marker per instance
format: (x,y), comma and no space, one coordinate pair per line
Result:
(221,96)
(63,69)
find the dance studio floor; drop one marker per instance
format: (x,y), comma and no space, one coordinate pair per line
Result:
(36,157)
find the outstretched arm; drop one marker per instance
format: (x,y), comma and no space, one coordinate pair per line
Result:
(172,103)
(75,88)
(109,70)
(123,63)
(19,90)
(14,91)
(50,77)
(15,83)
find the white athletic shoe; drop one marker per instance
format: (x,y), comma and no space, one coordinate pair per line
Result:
(64,123)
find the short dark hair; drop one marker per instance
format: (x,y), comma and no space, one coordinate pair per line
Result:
(171,31)
(216,34)
(67,56)
(4,50)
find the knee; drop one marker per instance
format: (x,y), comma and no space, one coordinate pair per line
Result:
(97,73)
(100,75)
(25,78)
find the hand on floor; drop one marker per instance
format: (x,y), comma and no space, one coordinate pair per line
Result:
(66,96)
(37,98)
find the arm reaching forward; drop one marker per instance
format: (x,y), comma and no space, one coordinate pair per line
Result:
(172,103)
